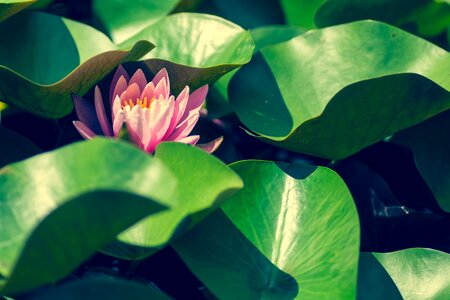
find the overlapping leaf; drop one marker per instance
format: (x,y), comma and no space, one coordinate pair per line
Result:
(299,218)
(15,147)
(46,58)
(203,182)
(418,273)
(60,207)
(195,48)
(334,91)
(11,7)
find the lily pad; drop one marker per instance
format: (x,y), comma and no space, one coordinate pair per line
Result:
(195,48)
(123,19)
(39,71)
(301,12)
(301,218)
(66,204)
(382,80)
(11,7)
(203,183)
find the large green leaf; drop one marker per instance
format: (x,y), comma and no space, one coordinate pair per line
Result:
(418,273)
(203,183)
(334,91)
(301,218)
(15,147)
(99,288)
(39,71)
(195,48)
(11,7)
(431,147)
(58,208)
(123,19)
(301,12)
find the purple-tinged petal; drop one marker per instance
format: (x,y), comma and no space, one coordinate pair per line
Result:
(83,130)
(86,113)
(131,93)
(159,76)
(101,114)
(139,78)
(119,89)
(148,92)
(192,140)
(118,122)
(211,146)
(121,72)
(184,129)
(195,102)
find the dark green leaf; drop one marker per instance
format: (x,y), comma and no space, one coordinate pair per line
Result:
(331,92)
(15,147)
(58,208)
(39,71)
(11,7)
(302,219)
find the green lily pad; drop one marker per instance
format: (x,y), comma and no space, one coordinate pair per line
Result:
(11,7)
(331,92)
(431,147)
(123,19)
(301,218)
(15,147)
(203,183)
(58,208)
(195,48)
(99,288)
(301,12)
(418,273)
(39,72)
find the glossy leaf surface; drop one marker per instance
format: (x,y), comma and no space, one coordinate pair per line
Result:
(66,204)
(39,71)
(11,7)
(289,97)
(277,212)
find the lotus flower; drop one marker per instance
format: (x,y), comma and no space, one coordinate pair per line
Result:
(147,109)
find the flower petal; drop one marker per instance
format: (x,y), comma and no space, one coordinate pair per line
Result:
(101,114)
(120,72)
(148,92)
(159,76)
(131,93)
(83,130)
(195,102)
(119,88)
(161,89)
(179,107)
(192,139)
(86,113)
(161,112)
(211,146)
(184,129)
(118,122)
(139,78)
(135,125)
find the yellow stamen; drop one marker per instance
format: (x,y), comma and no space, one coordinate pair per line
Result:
(144,103)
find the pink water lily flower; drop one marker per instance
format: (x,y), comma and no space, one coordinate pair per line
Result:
(147,109)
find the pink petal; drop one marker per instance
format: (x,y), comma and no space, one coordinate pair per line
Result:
(83,130)
(101,114)
(161,89)
(139,78)
(148,92)
(192,140)
(184,129)
(135,125)
(180,105)
(131,93)
(118,122)
(86,113)
(161,112)
(211,146)
(121,72)
(119,89)
(159,76)
(195,102)
(117,105)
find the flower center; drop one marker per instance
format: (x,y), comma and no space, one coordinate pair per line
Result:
(144,103)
